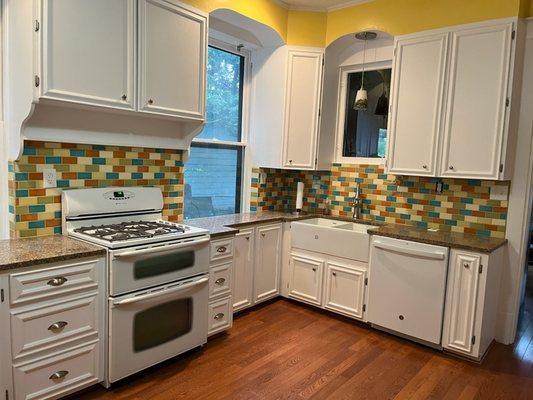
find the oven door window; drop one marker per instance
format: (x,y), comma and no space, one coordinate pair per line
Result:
(162,323)
(163,264)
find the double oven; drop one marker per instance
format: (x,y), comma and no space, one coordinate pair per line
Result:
(158,297)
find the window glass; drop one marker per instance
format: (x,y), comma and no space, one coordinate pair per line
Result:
(365,131)
(224,96)
(212,181)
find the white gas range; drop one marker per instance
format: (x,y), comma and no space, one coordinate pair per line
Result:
(157,278)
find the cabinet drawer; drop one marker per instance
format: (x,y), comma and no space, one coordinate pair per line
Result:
(53,325)
(53,281)
(58,375)
(220,315)
(221,249)
(220,280)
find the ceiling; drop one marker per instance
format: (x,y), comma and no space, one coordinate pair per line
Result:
(320,4)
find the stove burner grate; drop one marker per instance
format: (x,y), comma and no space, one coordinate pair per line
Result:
(131,230)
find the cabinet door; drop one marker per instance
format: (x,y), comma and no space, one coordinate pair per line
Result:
(476,101)
(267,262)
(305,282)
(417,102)
(87,52)
(243,270)
(345,289)
(302,102)
(461,303)
(172,47)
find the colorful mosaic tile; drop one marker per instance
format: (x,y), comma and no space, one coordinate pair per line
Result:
(36,211)
(463,205)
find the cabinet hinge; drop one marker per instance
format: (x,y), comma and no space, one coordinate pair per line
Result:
(251,65)
(364,307)
(366,281)
(2,297)
(513,35)
(501,167)
(394,51)
(474,339)
(37,81)
(316,161)
(480,268)
(507,102)
(7,395)
(323,61)
(37,25)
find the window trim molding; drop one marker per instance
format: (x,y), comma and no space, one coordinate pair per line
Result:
(341,112)
(246,167)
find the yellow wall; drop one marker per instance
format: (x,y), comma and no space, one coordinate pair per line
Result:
(399,17)
(396,17)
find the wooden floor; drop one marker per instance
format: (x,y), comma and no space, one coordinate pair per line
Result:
(284,350)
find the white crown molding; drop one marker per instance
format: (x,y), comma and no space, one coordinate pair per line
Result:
(320,9)
(347,4)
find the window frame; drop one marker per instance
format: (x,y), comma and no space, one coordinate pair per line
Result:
(245,173)
(341,113)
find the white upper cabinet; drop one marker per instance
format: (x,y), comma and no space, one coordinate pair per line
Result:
(418,91)
(476,101)
(302,103)
(87,51)
(172,59)
(451,100)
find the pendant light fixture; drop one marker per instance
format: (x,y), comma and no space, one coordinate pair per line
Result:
(361,98)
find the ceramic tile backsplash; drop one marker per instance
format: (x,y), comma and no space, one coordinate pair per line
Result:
(36,211)
(463,206)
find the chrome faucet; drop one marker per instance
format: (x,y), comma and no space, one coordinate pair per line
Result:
(357,205)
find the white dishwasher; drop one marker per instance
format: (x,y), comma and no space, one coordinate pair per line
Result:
(406,288)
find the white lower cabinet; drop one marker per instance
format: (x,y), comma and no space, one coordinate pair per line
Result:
(53,337)
(333,283)
(344,289)
(220,315)
(471,302)
(267,266)
(306,278)
(243,270)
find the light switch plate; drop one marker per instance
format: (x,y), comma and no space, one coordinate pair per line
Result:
(498,192)
(262,178)
(49,178)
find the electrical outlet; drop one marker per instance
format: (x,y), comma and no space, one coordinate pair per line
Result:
(49,178)
(498,192)
(262,178)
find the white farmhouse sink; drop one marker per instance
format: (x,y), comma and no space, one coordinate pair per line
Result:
(337,238)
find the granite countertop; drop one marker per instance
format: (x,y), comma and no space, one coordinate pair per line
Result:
(229,224)
(19,253)
(440,238)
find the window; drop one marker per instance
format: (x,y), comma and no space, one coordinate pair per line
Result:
(213,172)
(364,132)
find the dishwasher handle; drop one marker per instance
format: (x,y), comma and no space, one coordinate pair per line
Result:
(434,255)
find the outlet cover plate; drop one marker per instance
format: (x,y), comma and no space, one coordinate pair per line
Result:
(498,192)
(49,178)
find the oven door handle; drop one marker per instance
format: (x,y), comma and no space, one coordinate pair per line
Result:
(162,248)
(148,296)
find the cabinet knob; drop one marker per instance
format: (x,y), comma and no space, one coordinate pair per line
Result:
(401,317)
(425,166)
(262,234)
(219,316)
(57,327)
(314,269)
(248,238)
(150,101)
(466,265)
(450,167)
(334,273)
(60,280)
(290,161)
(58,375)
(124,97)
(220,281)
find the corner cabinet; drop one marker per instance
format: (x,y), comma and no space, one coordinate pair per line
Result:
(302,108)
(172,59)
(452,93)
(287,82)
(472,298)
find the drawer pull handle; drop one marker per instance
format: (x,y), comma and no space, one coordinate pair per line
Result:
(57,281)
(221,249)
(58,375)
(220,281)
(219,316)
(57,327)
